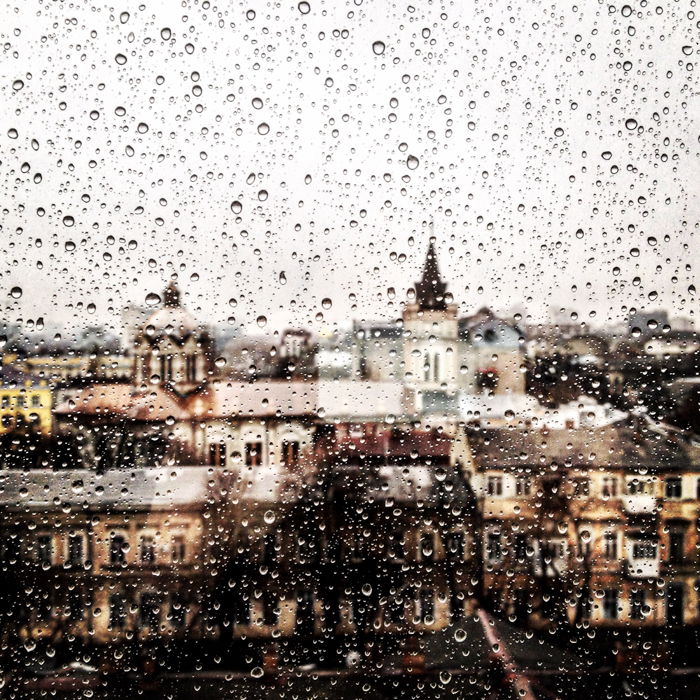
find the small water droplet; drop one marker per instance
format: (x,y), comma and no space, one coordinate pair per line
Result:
(269,517)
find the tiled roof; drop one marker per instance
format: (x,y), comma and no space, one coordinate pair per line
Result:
(616,445)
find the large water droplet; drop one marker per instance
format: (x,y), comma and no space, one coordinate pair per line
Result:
(16,292)
(236,207)
(412,162)
(68,221)
(152,299)
(120,58)
(378,47)
(262,321)
(304,8)
(165,33)
(631,124)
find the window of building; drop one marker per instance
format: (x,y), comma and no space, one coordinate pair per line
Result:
(117,549)
(75,550)
(270,603)
(494,550)
(454,546)
(582,487)
(520,547)
(179,549)
(674,487)
(36,401)
(610,603)
(290,453)
(147,549)
(494,485)
(676,546)
(643,549)
(609,488)
(396,547)
(5,401)
(426,606)
(149,611)
(253,454)
(610,545)
(427,546)
(117,611)
(217,454)
(523,485)
(44,550)
(178,611)
(637,604)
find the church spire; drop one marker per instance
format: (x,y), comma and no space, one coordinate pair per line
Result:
(171,296)
(430,291)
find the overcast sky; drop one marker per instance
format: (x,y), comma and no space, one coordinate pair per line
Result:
(280,157)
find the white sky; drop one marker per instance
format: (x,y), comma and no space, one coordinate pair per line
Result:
(508,107)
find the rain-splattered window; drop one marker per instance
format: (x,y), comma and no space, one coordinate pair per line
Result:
(349,350)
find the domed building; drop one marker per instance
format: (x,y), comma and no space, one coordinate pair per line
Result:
(172,347)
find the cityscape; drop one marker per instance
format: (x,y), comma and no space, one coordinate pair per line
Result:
(441,500)
(349,350)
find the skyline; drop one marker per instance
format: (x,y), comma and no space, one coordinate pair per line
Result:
(454,124)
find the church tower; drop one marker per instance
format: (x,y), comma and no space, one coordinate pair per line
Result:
(171,348)
(431,347)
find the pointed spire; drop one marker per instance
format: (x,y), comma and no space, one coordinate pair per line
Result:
(171,295)
(430,291)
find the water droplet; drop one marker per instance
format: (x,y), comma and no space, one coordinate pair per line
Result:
(257,103)
(142,128)
(16,292)
(262,321)
(326,303)
(606,155)
(152,299)
(69,246)
(263,129)
(124,17)
(250,15)
(165,33)
(412,162)
(631,124)
(68,221)
(94,115)
(220,361)
(236,207)
(12,133)
(687,50)
(460,635)
(367,589)
(257,672)
(304,8)
(269,517)
(558,131)
(120,58)
(18,84)
(262,195)
(378,47)
(283,278)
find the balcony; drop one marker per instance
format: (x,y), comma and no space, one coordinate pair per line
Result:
(640,504)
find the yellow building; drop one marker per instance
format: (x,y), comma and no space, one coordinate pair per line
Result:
(24,400)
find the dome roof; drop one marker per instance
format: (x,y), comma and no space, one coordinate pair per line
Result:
(171,319)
